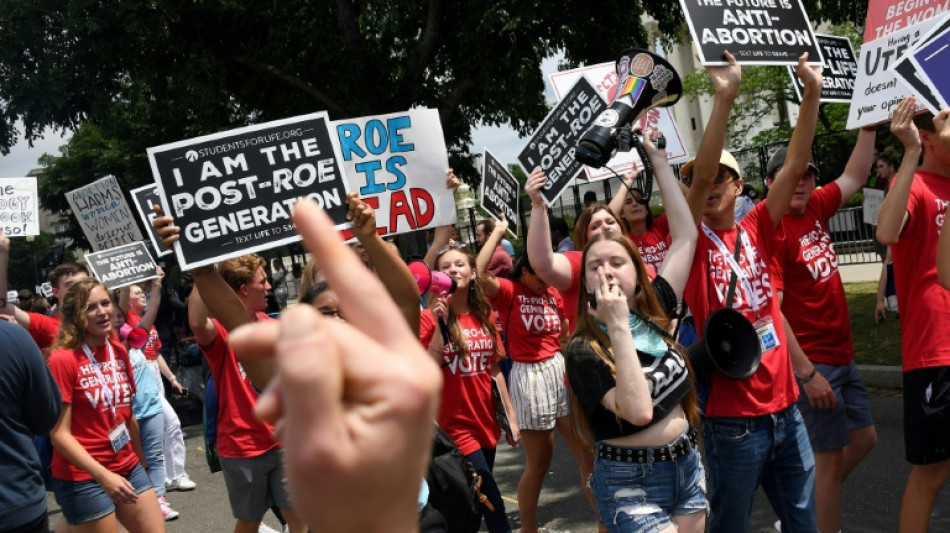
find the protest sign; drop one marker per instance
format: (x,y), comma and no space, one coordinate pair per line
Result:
(46,289)
(19,209)
(756,32)
(499,193)
(604,79)
(551,147)
(841,67)
(13,297)
(912,79)
(233,192)
(397,162)
(122,265)
(876,88)
(889,16)
(144,198)
(873,198)
(104,216)
(932,58)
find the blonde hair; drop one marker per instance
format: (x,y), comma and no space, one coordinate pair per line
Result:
(240,270)
(309,278)
(73,323)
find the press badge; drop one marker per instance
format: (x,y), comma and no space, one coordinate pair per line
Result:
(119,436)
(768,339)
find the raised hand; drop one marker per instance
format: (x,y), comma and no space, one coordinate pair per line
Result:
(726,78)
(533,186)
(361,216)
(809,74)
(902,123)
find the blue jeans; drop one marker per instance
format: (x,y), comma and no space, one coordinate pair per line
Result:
(644,497)
(152,430)
(484,460)
(85,501)
(769,450)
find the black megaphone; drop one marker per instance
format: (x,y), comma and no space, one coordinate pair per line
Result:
(645,81)
(730,346)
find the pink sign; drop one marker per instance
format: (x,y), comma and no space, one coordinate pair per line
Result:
(888,16)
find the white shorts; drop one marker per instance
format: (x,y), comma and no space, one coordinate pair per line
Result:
(539,395)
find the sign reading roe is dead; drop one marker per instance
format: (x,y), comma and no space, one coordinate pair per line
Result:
(756,32)
(233,193)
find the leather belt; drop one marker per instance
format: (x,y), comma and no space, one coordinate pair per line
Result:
(671,452)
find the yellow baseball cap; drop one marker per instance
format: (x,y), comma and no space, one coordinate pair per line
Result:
(726,160)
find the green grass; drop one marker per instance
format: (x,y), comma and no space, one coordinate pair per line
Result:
(874,344)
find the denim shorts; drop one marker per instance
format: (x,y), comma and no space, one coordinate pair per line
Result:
(644,497)
(85,501)
(830,429)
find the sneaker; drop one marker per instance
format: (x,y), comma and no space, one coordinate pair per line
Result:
(167,512)
(180,483)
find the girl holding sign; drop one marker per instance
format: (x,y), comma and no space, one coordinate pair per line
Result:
(532,317)
(98,478)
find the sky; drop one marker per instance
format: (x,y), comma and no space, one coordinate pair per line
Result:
(22,158)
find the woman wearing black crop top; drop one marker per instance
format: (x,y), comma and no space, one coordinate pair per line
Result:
(632,384)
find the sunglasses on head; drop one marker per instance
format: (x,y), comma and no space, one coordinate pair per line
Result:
(453,246)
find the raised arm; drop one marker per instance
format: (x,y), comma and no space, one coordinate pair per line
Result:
(553,268)
(199,319)
(726,80)
(616,203)
(489,282)
(442,234)
(796,160)
(893,215)
(154,302)
(390,268)
(858,169)
(683,232)
(22,317)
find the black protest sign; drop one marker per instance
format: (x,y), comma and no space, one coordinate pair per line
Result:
(756,32)
(144,198)
(839,72)
(233,193)
(499,192)
(123,265)
(551,147)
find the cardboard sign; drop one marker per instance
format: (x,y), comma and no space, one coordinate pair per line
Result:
(19,209)
(397,163)
(756,32)
(551,147)
(46,289)
(122,265)
(499,192)
(932,59)
(889,16)
(604,78)
(144,198)
(105,217)
(873,198)
(877,89)
(839,72)
(233,193)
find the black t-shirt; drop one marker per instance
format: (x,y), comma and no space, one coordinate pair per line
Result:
(590,378)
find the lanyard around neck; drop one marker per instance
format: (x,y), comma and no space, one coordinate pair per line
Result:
(106,394)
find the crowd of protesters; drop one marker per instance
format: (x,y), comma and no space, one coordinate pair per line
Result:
(325,414)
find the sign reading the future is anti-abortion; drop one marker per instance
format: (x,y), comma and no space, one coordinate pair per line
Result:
(551,147)
(499,192)
(233,192)
(397,163)
(122,265)
(103,214)
(756,32)
(19,210)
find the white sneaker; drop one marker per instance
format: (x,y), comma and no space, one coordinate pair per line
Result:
(167,512)
(180,483)
(264,528)
(778,526)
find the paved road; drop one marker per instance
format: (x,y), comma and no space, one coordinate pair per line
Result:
(871,497)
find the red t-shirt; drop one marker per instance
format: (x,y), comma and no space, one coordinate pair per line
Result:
(153,344)
(653,244)
(806,268)
(241,434)
(92,419)
(773,387)
(925,305)
(467,408)
(570,295)
(44,329)
(531,321)
(500,264)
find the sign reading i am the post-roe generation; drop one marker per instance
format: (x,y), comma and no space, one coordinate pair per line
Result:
(122,265)
(756,32)
(551,147)
(499,192)
(233,193)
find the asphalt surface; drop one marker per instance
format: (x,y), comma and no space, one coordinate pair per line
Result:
(872,495)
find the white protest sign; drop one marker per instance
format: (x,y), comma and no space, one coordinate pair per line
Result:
(397,163)
(13,297)
(877,89)
(19,209)
(233,193)
(122,265)
(104,216)
(603,76)
(46,289)
(873,198)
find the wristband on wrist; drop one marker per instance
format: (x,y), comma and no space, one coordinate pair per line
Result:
(809,377)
